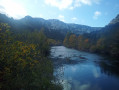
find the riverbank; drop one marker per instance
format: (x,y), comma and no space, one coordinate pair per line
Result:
(93,72)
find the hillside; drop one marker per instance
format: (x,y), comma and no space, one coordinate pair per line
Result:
(105,41)
(53,28)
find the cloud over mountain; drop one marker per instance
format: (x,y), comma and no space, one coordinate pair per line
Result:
(70,4)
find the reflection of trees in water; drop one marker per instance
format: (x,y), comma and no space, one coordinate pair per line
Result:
(61,79)
(109,68)
(59,73)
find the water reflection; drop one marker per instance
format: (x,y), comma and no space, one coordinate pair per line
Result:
(84,71)
(109,68)
(96,73)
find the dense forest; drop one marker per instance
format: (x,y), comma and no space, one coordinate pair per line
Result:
(24,62)
(105,41)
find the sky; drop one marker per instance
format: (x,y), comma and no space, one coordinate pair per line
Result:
(95,13)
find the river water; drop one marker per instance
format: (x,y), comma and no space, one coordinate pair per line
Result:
(77,70)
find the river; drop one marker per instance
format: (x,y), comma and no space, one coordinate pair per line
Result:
(78,70)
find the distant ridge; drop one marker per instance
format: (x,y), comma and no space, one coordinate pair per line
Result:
(115,20)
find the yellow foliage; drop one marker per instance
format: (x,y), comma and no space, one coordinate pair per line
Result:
(32,46)
(36,61)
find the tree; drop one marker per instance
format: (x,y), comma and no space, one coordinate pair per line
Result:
(25,65)
(66,40)
(80,42)
(73,41)
(101,44)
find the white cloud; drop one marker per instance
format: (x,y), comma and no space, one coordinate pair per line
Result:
(87,2)
(12,9)
(61,17)
(74,19)
(96,73)
(84,87)
(77,3)
(36,1)
(70,4)
(71,8)
(41,16)
(61,4)
(96,14)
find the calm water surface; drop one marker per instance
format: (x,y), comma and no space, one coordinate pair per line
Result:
(77,70)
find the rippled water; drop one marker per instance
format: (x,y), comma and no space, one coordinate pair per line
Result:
(78,70)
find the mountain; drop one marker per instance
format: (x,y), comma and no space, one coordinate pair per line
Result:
(110,38)
(53,28)
(105,40)
(115,20)
(54,24)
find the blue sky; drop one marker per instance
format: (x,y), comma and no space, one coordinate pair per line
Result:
(96,13)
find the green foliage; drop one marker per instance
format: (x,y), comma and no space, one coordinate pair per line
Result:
(93,48)
(66,40)
(79,42)
(100,44)
(72,41)
(52,42)
(24,64)
(37,37)
(105,41)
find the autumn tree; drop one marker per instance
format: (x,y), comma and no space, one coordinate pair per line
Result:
(80,42)
(100,44)
(66,39)
(73,41)
(24,64)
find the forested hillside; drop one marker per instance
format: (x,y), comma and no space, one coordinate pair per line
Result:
(53,28)
(105,41)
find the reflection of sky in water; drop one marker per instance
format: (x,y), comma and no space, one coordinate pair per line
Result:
(83,76)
